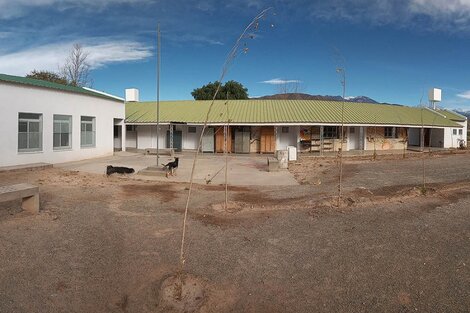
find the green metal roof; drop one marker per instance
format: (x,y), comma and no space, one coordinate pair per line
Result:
(453,115)
(45,84)
(284,111)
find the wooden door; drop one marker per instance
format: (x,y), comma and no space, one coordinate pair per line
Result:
(267,140)
(220,138)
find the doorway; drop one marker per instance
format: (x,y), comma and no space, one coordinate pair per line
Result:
(267,139)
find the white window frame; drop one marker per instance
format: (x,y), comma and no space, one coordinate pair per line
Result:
(28,132)
(60,119)
(454,132)
(460,131)
(83,133)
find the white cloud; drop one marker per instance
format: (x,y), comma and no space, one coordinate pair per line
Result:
(195,39)
(16,8)
(279,81)
(447,15)
(464,95)
(50,57)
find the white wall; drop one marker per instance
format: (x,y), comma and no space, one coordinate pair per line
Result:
(451,140)
(191,140)
(25,99)
(147,136)
(287,139)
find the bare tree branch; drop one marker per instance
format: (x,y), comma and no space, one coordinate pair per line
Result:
(76,68)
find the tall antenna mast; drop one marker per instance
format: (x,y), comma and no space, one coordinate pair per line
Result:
(158,92)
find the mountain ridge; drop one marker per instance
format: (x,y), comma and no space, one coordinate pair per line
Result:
(304,96)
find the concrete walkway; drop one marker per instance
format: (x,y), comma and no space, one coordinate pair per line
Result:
(244,170)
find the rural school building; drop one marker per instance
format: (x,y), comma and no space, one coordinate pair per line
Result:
(44,122)
(311,126)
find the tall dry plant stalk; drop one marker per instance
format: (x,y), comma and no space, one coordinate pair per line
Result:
(341,70)
(226,138)
(239,47)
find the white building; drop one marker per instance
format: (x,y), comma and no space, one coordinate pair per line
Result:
(53,123)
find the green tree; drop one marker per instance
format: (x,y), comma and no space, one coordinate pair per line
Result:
(231,90)
(47,76)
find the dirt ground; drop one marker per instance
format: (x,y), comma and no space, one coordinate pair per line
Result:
(112,244)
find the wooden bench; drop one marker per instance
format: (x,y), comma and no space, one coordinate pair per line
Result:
(273,164)
(27,192)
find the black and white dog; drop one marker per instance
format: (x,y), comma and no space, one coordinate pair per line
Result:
(171,167)
(118,169)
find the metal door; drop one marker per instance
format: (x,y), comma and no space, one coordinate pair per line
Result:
(242,141)
(177,140)
(208,140)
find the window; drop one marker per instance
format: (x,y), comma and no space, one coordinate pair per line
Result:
(389,132)
(62,132)
(131,128)
(29,132)
(87,127)
(460,132)
(352,130)
(330,132)
(192,129)
(454,131)
(285,130)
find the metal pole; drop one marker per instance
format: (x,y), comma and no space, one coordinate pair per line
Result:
(158,93)
(340,187)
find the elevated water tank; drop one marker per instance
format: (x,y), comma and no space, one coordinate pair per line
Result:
(435,95)
(132,95)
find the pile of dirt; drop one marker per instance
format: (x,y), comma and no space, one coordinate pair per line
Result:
(181,293)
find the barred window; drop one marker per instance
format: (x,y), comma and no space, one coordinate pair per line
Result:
(29,132)
(330,132)
(88,131)
(389,132)
(191,129)
(62,132)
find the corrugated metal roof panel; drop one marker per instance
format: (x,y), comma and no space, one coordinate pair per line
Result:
(453,115)
(284,111)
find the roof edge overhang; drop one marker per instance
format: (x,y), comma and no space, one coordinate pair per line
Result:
(295,124)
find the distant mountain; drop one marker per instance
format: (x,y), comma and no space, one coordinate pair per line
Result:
(304,96)
(361,99)
(464,113)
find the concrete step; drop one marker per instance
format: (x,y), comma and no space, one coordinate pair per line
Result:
(26,167)
(152,171)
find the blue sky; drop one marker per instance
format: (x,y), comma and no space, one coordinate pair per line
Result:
(393,50)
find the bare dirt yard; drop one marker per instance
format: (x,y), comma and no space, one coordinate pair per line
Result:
(109,244)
